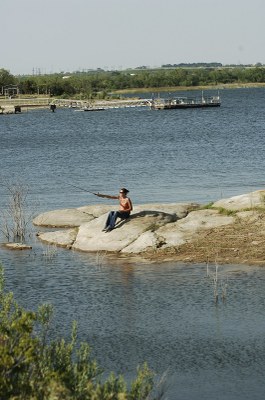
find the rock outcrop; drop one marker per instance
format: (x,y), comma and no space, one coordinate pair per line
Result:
(179,232)
(242,202)
(150,226)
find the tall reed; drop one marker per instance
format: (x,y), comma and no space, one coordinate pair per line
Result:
(217,283)
(15,219)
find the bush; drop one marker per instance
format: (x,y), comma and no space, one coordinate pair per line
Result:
(34,368)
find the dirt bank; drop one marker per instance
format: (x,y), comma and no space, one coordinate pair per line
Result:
(240,243)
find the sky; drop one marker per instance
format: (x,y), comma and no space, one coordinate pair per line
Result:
(48,36)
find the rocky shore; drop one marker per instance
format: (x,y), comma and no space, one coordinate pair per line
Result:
(228,231)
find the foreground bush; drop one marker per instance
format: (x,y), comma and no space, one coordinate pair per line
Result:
(33,368)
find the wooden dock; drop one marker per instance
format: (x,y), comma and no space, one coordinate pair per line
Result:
(16,105)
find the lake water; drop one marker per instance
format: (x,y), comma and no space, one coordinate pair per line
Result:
(162,313)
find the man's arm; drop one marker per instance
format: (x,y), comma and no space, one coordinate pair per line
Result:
(106,196)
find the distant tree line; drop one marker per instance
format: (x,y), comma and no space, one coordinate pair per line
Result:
(193,65)
(100,83)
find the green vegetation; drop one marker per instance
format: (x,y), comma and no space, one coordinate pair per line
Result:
(225,211)
(207,206)
(221,210)
(228,212)
(33,367)
(100,83)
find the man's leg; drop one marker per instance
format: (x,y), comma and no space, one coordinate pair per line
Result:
(113,218)
(107,224)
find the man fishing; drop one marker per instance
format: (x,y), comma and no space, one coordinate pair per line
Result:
(124,209)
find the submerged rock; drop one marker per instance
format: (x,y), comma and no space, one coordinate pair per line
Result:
(17,246)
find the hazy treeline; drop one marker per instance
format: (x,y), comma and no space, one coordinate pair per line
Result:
(193,65)
(100,83)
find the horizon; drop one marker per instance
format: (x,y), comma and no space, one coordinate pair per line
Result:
(36,71)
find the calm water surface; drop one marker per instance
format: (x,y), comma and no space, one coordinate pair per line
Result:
(181,155)
(163,314)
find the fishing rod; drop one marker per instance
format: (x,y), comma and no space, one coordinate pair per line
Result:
(77,187)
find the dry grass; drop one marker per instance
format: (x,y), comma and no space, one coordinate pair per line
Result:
(242,243)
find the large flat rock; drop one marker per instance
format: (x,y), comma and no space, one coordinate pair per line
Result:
(144,230)
(243,201)
(62,238)
(91,238)
(178,209)
(179,232)
(71,217)
(151,226)
(186,229)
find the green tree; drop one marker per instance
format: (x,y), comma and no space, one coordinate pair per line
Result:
(28,86)
(6,78)
(97,84)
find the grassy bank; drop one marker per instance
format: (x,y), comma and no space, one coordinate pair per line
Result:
(190,88)
(240,243)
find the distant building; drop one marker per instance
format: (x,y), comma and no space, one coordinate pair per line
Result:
(10,90)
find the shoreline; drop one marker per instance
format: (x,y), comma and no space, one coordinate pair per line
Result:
(236,244)
(230,231)
(242,242)
(220,86)
(45,102)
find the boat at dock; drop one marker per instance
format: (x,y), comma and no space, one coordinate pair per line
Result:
(90,109)
(185,102)
(93,109)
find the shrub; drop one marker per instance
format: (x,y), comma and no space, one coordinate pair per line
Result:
(34,368)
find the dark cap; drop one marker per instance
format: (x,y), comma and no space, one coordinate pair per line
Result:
(124,190)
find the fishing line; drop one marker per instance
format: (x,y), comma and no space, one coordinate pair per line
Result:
(78,187)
